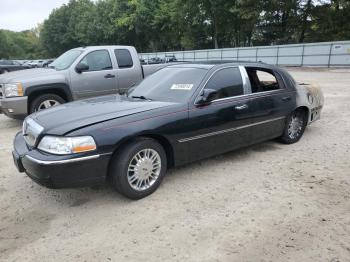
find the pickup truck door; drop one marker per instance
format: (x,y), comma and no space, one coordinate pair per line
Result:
(129,73)
(99,79)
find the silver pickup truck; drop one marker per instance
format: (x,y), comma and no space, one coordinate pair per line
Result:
(77,74)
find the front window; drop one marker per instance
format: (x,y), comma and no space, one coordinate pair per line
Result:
(66,60)
(175,84)
(98,60)
(227,82)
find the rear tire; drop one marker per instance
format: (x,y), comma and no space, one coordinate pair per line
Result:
(45,101)
(138,168)
(295,127)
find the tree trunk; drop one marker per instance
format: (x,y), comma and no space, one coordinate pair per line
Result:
(307,12)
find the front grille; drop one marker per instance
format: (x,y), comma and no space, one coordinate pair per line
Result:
(31,131)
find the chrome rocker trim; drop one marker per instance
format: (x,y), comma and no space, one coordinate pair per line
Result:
(228,130)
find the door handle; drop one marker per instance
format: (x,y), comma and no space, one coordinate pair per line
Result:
(287,98)
(241,107)
(109,76)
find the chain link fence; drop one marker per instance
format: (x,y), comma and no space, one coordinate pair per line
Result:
(325,54)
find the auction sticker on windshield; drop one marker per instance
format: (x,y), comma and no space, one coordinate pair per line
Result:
(181,86)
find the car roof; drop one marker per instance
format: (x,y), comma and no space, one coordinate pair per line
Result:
(209,64)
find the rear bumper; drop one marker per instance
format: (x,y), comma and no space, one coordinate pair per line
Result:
(14,107)
(58,171)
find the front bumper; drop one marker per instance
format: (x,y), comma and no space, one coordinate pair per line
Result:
(14,107)
(59,171)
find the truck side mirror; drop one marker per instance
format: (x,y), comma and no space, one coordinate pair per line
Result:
(81,67)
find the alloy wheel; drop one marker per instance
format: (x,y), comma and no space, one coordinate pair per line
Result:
(47,104)
(144,169)
(295,125)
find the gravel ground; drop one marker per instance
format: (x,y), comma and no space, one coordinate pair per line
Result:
(268,202)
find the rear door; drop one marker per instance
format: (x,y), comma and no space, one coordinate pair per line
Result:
(220,126)
(100,79)
(269,104)
(129,73)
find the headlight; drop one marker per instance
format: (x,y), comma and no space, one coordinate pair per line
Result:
(11,90)
(67,145)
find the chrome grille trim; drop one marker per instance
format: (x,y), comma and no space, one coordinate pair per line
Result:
(31,131)
(1,91)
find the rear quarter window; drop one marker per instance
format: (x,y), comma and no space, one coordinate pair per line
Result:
(124,58)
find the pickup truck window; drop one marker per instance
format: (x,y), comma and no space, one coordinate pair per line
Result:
(124,58)
(98,60)
(227,82)
(66,59)
(174,84)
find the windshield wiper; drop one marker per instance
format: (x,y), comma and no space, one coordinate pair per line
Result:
(141,97)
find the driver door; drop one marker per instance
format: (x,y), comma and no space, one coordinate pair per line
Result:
(219,126)
(98,80)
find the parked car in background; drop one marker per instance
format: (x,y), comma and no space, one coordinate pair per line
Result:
(7,66)
(170,59)
(36,63)
(47,62)
(180,114)
(77,74)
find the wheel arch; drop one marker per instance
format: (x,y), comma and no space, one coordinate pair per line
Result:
(163,141)
(306,110)
(60,89)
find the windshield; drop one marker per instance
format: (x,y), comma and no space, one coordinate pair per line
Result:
(175,84)
(66,59)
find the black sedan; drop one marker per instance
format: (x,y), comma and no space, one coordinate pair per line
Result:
(180,114)
(10,65)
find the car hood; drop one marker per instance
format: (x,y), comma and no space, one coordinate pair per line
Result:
(65,118)
(24,76)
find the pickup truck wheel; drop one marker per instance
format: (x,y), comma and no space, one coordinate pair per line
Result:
(138,168)
(295,127)
(45,101)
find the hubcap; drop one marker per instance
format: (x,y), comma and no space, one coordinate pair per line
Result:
(295,126)
(47,104)
(144,169)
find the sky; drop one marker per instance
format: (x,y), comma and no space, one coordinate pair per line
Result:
(19,15)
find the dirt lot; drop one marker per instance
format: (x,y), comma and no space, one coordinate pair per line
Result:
(269,202)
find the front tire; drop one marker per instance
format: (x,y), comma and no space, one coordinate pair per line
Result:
(44,102)
(295,127)
(137,170)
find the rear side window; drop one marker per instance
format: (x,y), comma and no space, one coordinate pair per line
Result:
(227,82)
(124,58)
(262,80)
(98,60)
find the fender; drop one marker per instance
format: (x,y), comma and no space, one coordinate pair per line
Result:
(57,86)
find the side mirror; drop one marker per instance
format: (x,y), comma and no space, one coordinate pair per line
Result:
(81,67)
(206,96)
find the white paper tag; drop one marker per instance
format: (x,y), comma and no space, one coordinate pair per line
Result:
(181,86)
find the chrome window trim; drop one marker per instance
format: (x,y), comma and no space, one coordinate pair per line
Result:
(248,95)
(210,77)
(246,86)
(228,130)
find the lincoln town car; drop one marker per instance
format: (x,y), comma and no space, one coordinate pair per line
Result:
(181,113)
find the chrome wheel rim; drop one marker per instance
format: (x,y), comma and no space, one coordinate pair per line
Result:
(47,104)
(295,126)
(144,169)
